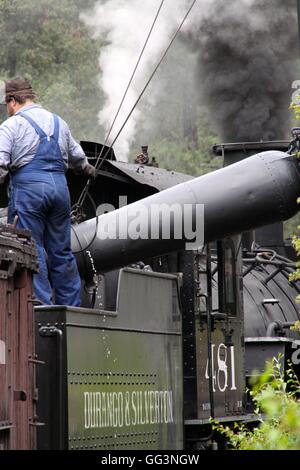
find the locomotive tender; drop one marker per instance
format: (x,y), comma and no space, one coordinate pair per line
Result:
(159,345)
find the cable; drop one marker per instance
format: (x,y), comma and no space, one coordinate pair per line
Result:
(82,196)
(132,76)
(86,189)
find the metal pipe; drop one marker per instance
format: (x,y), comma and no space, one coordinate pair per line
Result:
(254,192)
(209,330)
(272,275)
(278,326)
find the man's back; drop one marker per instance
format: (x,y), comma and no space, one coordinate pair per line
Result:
(19,140)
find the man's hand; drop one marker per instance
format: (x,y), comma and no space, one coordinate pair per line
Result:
(90,171)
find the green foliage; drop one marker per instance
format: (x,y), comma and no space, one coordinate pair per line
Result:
(174,124)
(296,327)
(184,155)
(277,409)
(295,239)
(46,42)
(295,276)
(291,226)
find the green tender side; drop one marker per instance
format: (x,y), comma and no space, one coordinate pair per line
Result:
(121,371)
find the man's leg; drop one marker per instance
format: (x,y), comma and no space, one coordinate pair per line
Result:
(28,208)
(62,264)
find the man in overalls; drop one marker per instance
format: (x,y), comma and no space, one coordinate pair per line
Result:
(36,148)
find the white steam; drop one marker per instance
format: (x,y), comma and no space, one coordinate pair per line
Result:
(124,26)
(246,62)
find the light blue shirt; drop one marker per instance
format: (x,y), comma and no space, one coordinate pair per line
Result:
(19,141)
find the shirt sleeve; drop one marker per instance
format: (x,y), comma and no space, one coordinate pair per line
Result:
(6,146)
(77,158)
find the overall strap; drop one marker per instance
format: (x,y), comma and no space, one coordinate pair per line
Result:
(55,134)
(37,129)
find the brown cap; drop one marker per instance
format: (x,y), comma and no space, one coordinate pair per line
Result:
(18,86)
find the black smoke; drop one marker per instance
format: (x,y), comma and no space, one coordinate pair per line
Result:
(247,62)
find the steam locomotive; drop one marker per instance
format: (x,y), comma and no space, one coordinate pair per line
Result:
(168,334)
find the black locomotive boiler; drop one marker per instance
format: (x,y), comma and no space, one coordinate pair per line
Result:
(166,339)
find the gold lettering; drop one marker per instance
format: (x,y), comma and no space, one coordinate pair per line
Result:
(86,410)
(109,406)
(157,418)
(170,407)
(120,410)
(116,409)
(142,421)
(165,407)
(151,406)
(103,410)
(134,420)
(98,410)
(146,406)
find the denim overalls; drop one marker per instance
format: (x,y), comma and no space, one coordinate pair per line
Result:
(40,197)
